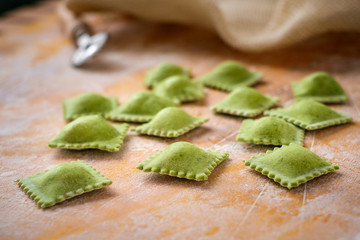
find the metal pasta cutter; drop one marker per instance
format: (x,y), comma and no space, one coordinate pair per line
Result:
(87,45)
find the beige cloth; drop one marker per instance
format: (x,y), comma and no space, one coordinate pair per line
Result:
(252,25)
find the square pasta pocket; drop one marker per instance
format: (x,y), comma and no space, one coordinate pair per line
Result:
(88,104)
(310,115)
(321,87)
(183,160)
(270,131)
(90,132)
(230,75)
(290,165)
(141,107)
(170,122)
(162,71)
(62,182)
(180,89)
(245,102)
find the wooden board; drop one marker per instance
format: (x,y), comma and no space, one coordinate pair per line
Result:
(235,203)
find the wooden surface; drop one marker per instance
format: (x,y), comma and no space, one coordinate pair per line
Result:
(235,203)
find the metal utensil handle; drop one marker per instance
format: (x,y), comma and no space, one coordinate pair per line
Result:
(71,24)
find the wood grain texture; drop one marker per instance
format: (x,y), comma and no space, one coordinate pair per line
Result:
(235,203)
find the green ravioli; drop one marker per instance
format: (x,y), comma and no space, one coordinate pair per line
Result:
(90,132)
(183,160)
(246,102)
(170,122)
(290,165)
(310,115)
(270,131)
(163,71)
(62,182)
(180,89)
(319,86)
(230,75)
(88,104)
(141,107)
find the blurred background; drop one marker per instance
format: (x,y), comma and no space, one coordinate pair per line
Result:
(6,6)
(252,26)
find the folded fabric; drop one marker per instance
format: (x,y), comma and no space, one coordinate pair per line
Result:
(251,25)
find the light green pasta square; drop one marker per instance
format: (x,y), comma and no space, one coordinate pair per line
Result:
(141,107)
(62,182)
(319,86)
(245,102)
(183,160)
(90,132)
(270,131)
(310,115)
(159,73)
(170,122)
(180,89)
(88,104)
(229,75)
(290,165)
